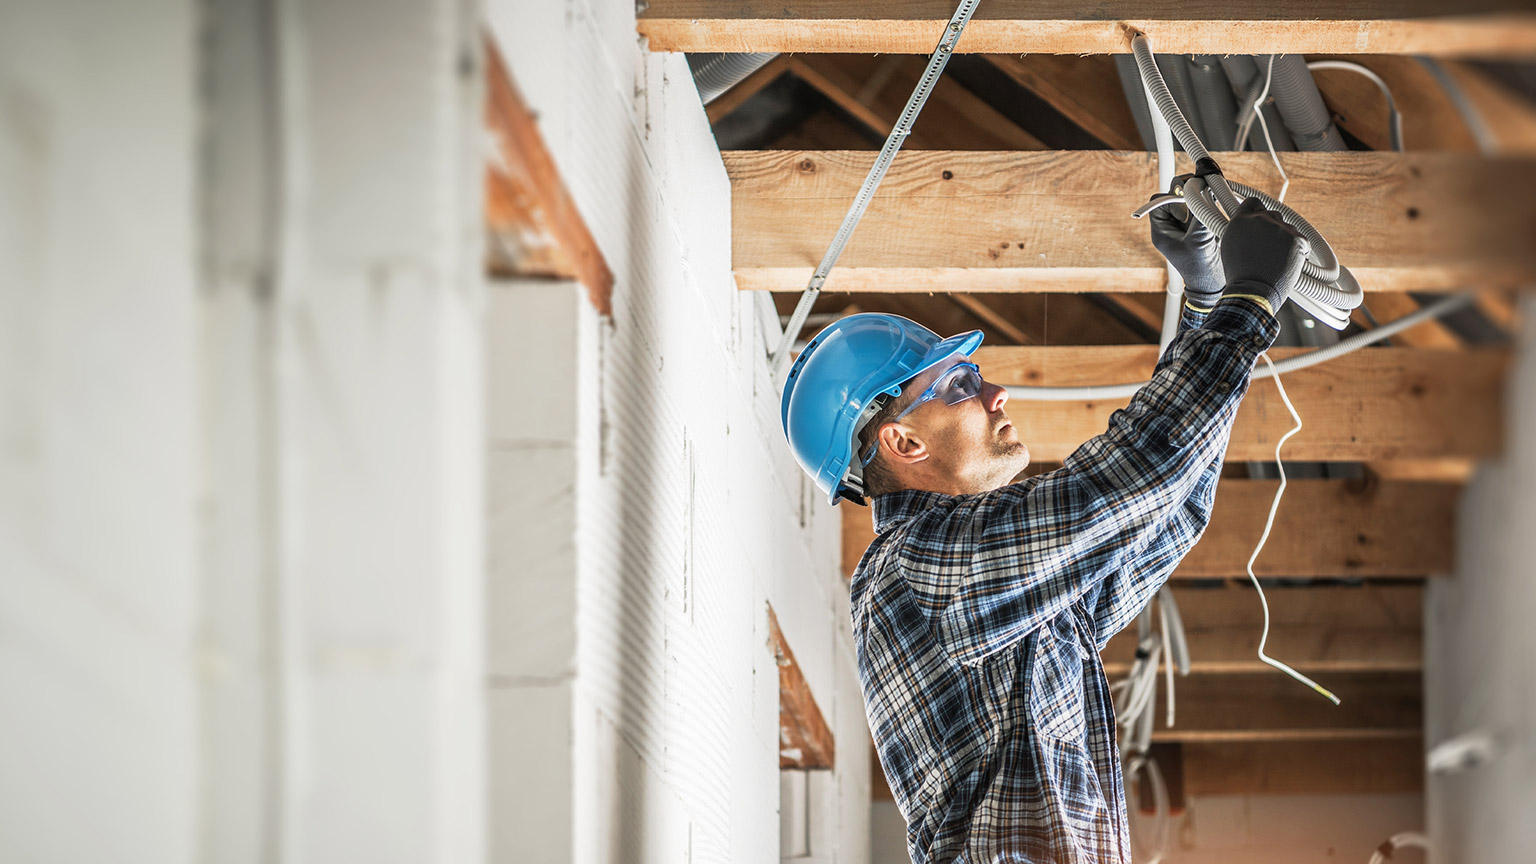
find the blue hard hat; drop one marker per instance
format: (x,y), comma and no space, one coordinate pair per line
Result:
(835,385)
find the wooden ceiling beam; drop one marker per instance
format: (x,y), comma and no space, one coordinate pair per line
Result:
(1388,766)
(1485,27)
(1325,528)
(1374,404)
(1086,90)
(532,224)
(1060,221)
(805,739)
(1361,628)
(1269,706)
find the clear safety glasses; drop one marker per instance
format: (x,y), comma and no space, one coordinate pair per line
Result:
(961,382)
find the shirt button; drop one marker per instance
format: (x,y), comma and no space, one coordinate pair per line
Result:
(1256,341)
(1223,387)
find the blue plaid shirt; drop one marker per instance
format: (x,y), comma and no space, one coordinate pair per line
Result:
(978,619)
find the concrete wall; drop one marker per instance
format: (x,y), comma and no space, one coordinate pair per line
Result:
(1479,675)
(642,693)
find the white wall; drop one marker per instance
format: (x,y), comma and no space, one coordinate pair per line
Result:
(99,488)
(240,508)
(1480,644)
(690,517)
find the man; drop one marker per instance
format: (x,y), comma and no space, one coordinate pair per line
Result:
(980,608)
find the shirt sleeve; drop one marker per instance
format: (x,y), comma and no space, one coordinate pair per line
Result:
(1028,551)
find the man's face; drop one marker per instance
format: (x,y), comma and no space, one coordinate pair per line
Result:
(973,442)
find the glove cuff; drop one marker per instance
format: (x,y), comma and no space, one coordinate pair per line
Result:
(1264,294)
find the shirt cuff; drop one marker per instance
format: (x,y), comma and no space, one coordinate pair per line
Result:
(1244,321)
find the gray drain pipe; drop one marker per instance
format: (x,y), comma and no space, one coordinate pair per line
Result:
(1302,106)
(714,74)
(1213,95)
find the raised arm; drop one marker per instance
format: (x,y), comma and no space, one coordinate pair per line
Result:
(1032,549)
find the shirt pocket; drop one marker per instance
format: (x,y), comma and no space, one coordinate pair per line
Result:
(1056,683)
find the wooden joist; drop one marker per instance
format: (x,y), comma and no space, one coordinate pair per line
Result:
(805,740)
(1377,403)
(1385,766)
(1324,528)
(1317,630)
(1059,221)
(1481,27)
(532,224)
(1270,706)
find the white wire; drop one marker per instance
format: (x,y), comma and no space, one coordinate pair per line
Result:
(1246,123)
(1394,117)
(1269,523)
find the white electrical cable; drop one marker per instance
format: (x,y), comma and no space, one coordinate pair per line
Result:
(1162,824)
(1269,523)
(1285,185)
(1403,840)
(1288,365)
(930,77)
(1394,119)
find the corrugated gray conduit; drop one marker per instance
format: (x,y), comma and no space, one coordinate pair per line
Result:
(1325,289)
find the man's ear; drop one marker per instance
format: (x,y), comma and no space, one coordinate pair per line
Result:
(900,445)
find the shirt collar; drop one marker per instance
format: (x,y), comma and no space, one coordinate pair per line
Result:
(894,508)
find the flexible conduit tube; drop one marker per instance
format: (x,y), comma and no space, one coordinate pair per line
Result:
(1325,289)
(1163,135)
(1246,83)
(1301,106)
(714,74)
(1290,364)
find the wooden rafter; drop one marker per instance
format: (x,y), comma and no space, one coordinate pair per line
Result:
(1086,90)
(875,89)
(1059,221)
(746,88)
(1336,528)
(533,225)
(1497,27)
(805,740)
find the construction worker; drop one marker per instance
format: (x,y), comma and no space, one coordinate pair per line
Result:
(981,606)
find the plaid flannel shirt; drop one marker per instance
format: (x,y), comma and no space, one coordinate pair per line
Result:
(978,619)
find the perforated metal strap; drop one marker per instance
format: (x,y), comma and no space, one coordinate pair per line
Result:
(903,128)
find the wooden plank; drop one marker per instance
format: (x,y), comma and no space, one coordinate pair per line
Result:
(1270,706)
(1086,90)
(805,740)
(992,318)
(1324,528)
(1332,528)
(1378,403)
(533,225)
(876,89)
(1435,470)
(1388,766)
(1316,630)
(1485,27)
(746,88)
(1060,220)
(1388,307)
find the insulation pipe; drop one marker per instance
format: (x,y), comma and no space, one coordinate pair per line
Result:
(714,74)
(1301,106)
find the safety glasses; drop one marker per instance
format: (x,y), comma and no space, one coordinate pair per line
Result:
(961,382)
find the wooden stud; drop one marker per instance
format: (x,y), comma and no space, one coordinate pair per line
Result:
(1486,27)
(1060,220)
(805,740)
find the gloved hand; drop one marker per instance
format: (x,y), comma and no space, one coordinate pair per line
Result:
(1262,254)
(1192,249)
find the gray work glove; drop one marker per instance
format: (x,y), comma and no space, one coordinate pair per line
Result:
(1192,249)
(1262,255)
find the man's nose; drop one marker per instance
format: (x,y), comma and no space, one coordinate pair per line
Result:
(996,397)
